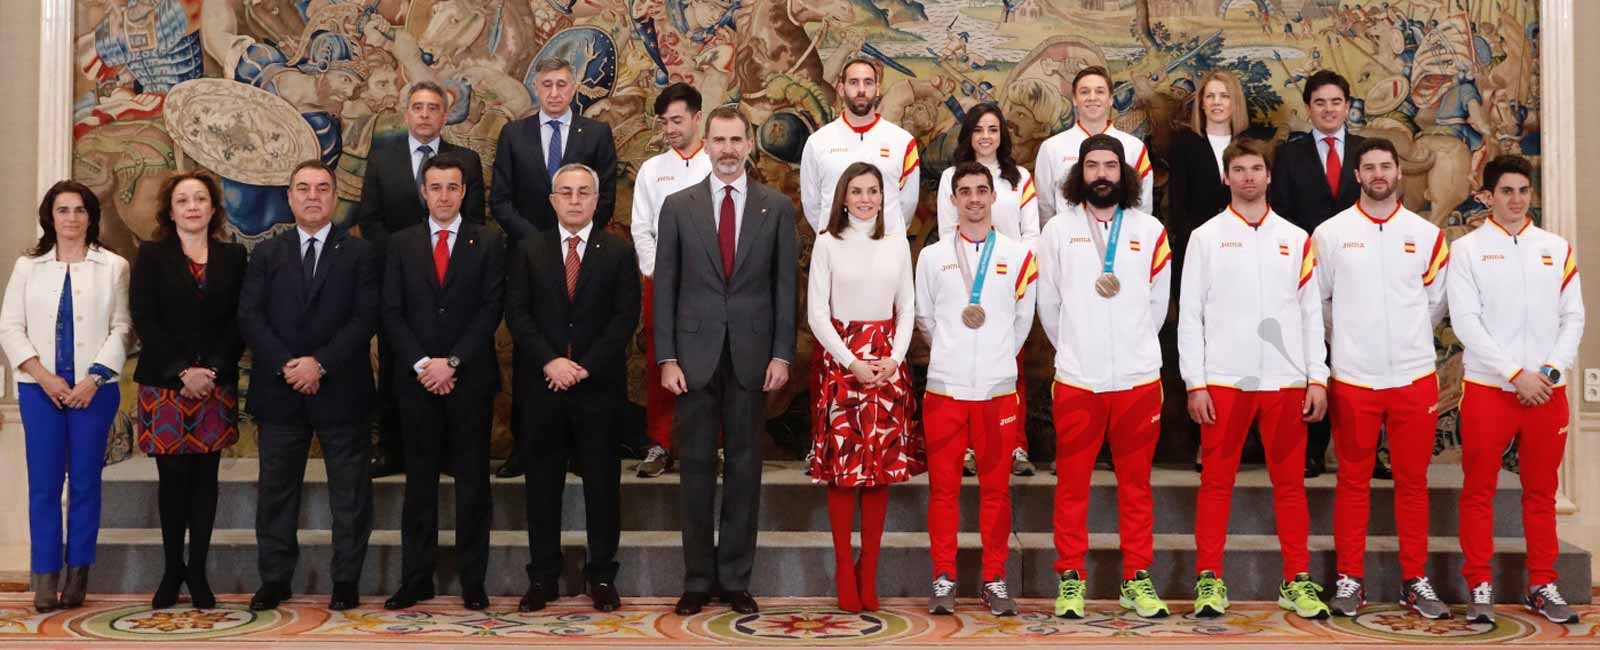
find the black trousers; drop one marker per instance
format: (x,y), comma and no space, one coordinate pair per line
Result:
(582,426)
(390,433)
(711,560)
(283,450)
(444,431)
(186,496)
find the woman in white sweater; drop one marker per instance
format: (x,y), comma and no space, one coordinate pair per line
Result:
(861,310)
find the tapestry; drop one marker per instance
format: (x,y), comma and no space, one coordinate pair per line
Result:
(248,88)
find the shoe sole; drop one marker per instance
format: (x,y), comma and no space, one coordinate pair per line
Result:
(1419,612)
(1315,614)
(1552,619)
(1207,611)
(1068,613)
(1128,604)
(940,611)
(1481,618)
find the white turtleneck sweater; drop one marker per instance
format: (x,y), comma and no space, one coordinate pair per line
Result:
(857,278)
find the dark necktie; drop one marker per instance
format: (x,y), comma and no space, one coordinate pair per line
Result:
(427,152)
(552,159)
(308,264)
(725,235)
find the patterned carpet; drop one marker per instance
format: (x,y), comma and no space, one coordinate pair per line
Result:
(128,621)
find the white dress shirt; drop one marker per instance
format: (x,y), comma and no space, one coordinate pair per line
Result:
(1322,145)
(739,185)
(321,235)
(416,156)
(583,239)
(544,131)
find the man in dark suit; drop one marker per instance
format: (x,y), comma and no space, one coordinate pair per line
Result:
(525,163)
(725,331)
(441,306)
(308,308)
(572,305)
(391,201)
(1312,181)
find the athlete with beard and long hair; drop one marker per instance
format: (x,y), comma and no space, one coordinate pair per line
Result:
(1103,295)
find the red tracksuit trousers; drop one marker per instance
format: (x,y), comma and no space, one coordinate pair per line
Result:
(1083,420)
(1490,420)
(1283,434)
(987,427)
(1410,415)
(658,401)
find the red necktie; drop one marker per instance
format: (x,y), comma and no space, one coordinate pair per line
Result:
(1333,166)
(441,254)
(725,231)
(572,265)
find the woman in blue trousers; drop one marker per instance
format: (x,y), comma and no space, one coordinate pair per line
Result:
(64,326)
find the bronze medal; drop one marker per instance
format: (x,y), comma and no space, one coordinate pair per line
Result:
(1107,285)
(973,316)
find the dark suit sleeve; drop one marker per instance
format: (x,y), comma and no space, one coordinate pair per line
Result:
(786,263)
(354,338)
(144,304)
(472,207)
(610,349)
(487,320)
(395,328)
(665,295)
(605,163)
(1282,194)
(228,346)
(255,298)
(369,212)
(521,299)
(503,193)
(1180,188)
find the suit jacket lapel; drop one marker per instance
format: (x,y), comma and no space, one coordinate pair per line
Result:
(425,252)
(327,255)
(755,219)
(592,250)
(465,252)
(707,226)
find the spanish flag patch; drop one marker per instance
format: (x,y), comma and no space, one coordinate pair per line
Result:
(1133,245)
(1411,247)
(883,153)
(1283,249)
(999,268)
(1548,261)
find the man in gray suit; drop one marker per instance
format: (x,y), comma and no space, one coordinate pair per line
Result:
(725,330)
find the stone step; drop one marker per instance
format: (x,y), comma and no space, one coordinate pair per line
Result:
(801,564)
(790,502)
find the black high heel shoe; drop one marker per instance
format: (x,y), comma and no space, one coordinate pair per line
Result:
(167,593)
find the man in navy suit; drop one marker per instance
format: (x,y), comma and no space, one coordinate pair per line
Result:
(391,201)
(527,157)
(308,308)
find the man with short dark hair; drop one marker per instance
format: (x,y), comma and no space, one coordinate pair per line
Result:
(1517,305)
(685,163)
(441,307)
(529,153)
(308,308)
(1381,272)
(1091,105)
(391,201)
(1312,181)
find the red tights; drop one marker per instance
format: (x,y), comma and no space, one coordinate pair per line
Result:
(857,581)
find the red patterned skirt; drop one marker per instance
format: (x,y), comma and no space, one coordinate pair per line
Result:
(864,437)
(170,423)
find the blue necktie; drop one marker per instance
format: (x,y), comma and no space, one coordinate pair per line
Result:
(552,159)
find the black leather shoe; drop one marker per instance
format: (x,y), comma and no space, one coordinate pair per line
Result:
(741,602)
(535,598)
(605,597)
(408,597)
(74,586)
(1315,468)
(269,596)
(692,602)
(200,590)
(167,593)
(1382,472)
(345,596)
(383,465)
(512,468)
(474,597)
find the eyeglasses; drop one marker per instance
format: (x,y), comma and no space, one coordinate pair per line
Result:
(569,194)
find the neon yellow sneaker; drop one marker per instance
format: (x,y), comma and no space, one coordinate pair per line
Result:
(1211,595)
(1300,596)
(1139,595)
(1069,595)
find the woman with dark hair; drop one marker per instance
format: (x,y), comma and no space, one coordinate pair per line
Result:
(860,306)
(185,304)
(64,327)
(985,138)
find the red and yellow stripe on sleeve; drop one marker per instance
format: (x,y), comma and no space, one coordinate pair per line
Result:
(1143,166)
(1308,263)
(1027,193)
(1571,269)
(1029,274)
(1436,261)
(910,162)
(1162,254)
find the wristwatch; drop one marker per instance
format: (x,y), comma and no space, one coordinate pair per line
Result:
(1552,374)
(454,361)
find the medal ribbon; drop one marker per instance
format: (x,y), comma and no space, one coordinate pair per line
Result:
(974,285)
(1108,248)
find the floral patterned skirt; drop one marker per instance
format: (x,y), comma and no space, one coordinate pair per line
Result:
(861,437)
(170,423)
